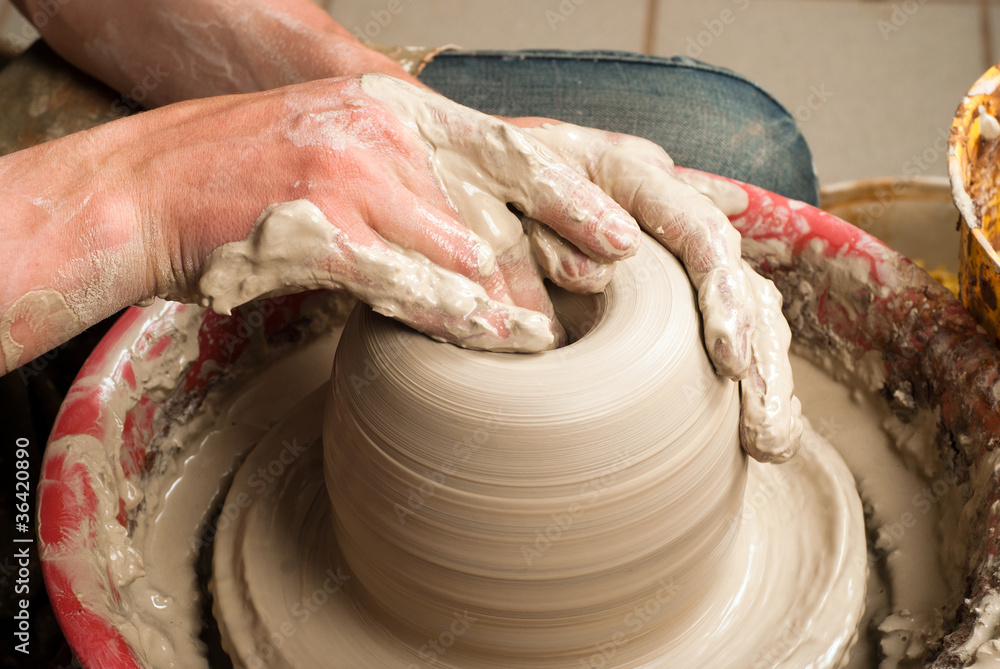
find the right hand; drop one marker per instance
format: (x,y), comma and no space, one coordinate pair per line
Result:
(745,333)
(391,166)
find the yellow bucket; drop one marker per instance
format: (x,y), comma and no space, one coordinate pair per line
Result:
(974,172)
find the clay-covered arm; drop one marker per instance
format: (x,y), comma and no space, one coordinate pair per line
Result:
(163,52)
(72,249)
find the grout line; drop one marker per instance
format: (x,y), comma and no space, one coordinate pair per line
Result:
(985,21)
(649,35)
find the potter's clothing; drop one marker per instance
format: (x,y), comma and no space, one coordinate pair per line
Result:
(706,117)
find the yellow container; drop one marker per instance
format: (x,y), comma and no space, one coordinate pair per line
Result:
(974,172)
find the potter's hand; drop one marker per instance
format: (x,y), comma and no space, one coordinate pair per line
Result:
(398,167)
(140,203)
(745,333)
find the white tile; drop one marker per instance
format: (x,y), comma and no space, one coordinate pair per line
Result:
(893,80)
(515,24)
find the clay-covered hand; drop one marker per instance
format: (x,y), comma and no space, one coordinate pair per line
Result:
(746,335)
(392,192)
(415,189)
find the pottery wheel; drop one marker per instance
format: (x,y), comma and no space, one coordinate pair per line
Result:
(585,507)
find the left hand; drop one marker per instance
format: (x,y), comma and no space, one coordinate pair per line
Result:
(746,336)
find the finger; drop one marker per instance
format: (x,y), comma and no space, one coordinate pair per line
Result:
(526,286)
(447,306)
(493,222)
(566,265)
(771,415)
(555,194)
(293,247)
(407,220)
(693,229)
(486,152)
(728,319)
(524,171)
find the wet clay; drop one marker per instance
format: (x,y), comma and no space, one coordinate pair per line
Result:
(320,613)
(236,418)
(293,247)
(42,315)
(413,59)
(523,529)
(908,589)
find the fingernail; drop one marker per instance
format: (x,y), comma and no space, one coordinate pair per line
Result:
(621,234)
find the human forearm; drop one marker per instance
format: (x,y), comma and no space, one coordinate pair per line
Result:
(167,52)
(70,253)
(136,208)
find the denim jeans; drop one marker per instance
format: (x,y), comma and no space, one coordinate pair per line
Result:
(704,116)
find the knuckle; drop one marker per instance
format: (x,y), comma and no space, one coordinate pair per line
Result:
(647,150)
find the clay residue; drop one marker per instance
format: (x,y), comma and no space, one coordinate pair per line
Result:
(771,427)
(561,261)
(989,128)
(413,59)
(293,247)
(492,538)
(38,318)
(727,196)
(903,508)
(889,327)
(94,549)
